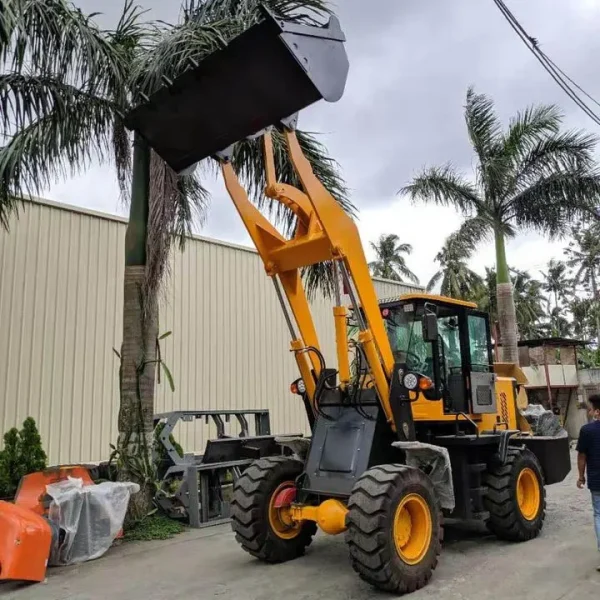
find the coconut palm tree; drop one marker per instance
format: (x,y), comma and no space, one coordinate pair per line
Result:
(64,89)
(457,280)
(558,285)
(585,313)
(390,262)
(529,304)
(529,301)
(531,176)
(583,256)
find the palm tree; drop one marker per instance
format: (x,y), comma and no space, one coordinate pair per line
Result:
(583,256)
(529,304)
(585,313)
(457,280)
(528,298)
(64,89)
(558,285)
(531,176)
(390,264)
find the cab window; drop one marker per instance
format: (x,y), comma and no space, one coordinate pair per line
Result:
(405,332)
(450,334)
(478,343)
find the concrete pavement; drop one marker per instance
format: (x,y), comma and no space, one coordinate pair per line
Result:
(560,565)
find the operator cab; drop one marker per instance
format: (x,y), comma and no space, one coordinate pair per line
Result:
(447,341)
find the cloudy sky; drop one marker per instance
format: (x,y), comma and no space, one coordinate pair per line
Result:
(411,62)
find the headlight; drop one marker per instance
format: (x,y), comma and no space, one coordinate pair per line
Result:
(301,386)
(410,381)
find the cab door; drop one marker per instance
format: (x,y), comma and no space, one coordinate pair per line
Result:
(479,363)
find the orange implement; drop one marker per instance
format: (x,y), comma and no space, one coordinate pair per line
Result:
(24,543)
(32,487)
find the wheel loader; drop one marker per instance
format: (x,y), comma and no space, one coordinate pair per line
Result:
(419,424)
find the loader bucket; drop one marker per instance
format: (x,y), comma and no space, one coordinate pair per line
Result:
(268,73)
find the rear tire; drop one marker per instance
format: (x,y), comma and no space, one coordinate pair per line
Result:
(394,528)
(255,530)
(516,497)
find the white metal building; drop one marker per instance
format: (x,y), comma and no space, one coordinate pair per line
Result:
(61,272)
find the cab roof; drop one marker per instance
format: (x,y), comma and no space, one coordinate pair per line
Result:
(428,298)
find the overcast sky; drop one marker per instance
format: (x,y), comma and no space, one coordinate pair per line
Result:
(411,62)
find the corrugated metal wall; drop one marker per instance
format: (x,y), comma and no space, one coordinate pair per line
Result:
(61,275)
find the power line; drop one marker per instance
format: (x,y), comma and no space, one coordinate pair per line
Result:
(560,77)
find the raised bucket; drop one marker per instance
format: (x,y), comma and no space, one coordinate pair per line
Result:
(268,73)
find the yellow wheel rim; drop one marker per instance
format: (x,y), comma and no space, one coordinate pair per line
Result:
(280,519)
(412,529)
(528,494)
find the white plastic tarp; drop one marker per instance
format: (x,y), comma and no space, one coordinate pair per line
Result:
(435,461)
(89,518)
(543,422)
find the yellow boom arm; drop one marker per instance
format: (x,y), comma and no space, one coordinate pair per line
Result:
(324,232)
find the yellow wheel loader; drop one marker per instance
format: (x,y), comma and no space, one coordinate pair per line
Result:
(419,423)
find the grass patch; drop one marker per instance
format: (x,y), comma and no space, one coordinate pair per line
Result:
(154,527)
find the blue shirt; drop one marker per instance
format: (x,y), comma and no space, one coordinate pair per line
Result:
(589,444)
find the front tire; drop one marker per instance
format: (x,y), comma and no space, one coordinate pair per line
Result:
(394,528)
(261,530)
(516,497)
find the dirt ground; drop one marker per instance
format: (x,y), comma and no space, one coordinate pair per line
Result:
(559,565)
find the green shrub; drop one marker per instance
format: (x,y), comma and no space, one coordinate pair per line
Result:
(153,527)
(22,454)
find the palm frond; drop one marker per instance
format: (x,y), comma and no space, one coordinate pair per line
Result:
(568,152)
(444,186)
(528,128)
(405,272)
(171,50)
(550,204)
(175,202)
(56,37)
(434,280)
(482,125)
(299,11)
(25,98)
(471,233)
(63,142)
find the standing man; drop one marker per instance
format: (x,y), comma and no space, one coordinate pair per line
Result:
(588,448)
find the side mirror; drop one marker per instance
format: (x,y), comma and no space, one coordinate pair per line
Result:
(430,327)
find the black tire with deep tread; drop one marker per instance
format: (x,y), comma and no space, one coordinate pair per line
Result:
(506,520)
(250,505)
(370,519)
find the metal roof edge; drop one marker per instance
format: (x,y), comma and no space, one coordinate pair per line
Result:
(123,220)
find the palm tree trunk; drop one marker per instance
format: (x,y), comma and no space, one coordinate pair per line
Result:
(138,350)
(507,315)
(557,313)
(595,295)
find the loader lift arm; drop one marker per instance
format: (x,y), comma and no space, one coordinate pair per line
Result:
(324,232)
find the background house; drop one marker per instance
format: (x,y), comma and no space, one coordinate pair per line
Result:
(550,365)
